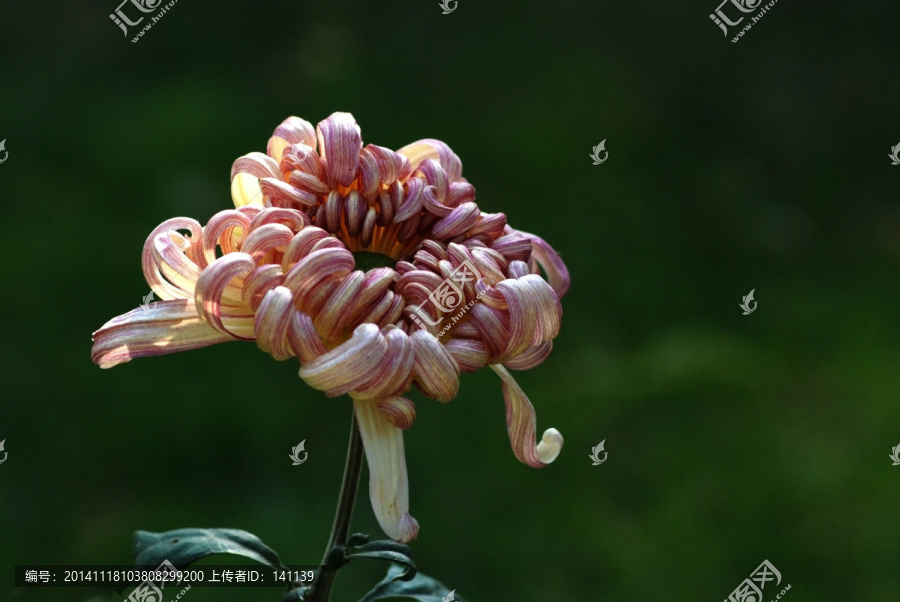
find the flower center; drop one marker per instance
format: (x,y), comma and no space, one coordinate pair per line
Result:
(368,260)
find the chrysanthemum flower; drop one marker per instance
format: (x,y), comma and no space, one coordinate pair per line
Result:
(376,269)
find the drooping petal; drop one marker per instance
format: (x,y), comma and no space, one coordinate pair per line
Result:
(521,423)
(388,480)
(160,328)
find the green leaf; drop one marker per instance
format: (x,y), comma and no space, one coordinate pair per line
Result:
(421,588)
(182,547)
(387,550)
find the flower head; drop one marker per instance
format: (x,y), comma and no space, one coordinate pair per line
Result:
(376,269)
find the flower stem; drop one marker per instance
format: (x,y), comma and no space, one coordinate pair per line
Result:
(321,590)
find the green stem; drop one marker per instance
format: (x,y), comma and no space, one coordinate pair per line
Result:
(321,591)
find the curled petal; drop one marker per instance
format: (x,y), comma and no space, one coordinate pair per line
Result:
(457,222)
(433,149)
(258,283)
(433,204)
(307,182)
(349,365)
(266,239)
(368,173)
(435,176)
(272,323)
(160,248)
(160,328)
(461,192)
(399,411)
(292,130)
(305,341)
(295,220)
(282,194)
(221,230)
(534,313)
(434,369)
(392,376)
(213,287)
(469,354)
(531,357)
(513,246)
(551,263)
(413,201)
(336,312)
(256,165)
(388,480)
(489,223)
(521,424)
(324,265)
(340,141)
(389,163)
(245,175)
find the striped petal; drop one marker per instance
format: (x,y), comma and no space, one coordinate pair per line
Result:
(161,328)
(551,263)
(245,175)
(388,480)
(349,365)
(521,424)
(340,142)
(399,411)
(292,130)
(435,370)
(433,149)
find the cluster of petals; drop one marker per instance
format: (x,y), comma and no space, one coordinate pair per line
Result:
(333,255)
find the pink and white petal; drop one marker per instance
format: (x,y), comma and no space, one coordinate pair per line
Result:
(521,423)
(305,341)
(434,369)
(245,175)
(257,165)
(172,264)
(150,257)
(392,376)
(535,313)
(340,142)
(349,365)
(469,354)
(399,411)
(388,480)
(457,222)
(292,130)
(433,149)
(221,230)
(163,327)
(272,323)
(217,297)
(551,263)
(531,357)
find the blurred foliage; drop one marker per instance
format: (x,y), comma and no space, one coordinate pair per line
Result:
(732,439)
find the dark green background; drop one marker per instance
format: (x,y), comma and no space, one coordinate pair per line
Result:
(732,439)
